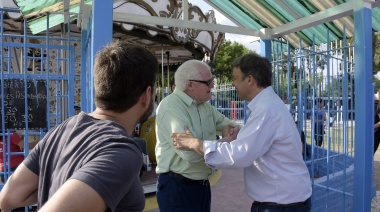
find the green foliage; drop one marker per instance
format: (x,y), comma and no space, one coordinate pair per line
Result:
(227,53)
(376,83)
(282,87)
(333,87)
(376,52)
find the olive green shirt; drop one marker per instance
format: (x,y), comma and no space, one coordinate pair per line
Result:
(175,112)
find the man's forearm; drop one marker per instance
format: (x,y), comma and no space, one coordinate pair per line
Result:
(20,190)
(186,141)
(198,147)
(30,200)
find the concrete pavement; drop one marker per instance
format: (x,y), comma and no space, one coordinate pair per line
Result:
(228,192)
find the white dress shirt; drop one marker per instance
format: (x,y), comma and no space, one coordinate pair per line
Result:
(269,149)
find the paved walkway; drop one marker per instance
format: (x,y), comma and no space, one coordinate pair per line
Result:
(228,192)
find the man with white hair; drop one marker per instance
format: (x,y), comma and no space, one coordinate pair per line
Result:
(183,175)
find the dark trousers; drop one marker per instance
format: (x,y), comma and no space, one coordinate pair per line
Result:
(376,138)
(318,134)
(265,207)
(174,194)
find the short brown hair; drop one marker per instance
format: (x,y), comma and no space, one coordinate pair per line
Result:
(122,72)
(259,67)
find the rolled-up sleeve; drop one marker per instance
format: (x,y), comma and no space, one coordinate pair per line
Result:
(209,147)
(175,123)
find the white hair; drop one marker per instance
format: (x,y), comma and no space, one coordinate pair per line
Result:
(188,70)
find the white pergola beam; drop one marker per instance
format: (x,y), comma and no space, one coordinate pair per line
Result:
(79,19)
(86,11)
(143,19)
(375,3)
(185,10)
(324,16)
(66,10)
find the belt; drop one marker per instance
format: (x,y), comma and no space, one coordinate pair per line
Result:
(282,205)
(185,179)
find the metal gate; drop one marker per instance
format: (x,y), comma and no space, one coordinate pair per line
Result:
(304,77)
(39,87)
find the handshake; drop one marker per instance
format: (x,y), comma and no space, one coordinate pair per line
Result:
(186,140)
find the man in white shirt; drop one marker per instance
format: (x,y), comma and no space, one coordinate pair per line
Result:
(268,147)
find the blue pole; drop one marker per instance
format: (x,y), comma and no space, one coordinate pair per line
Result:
(101,35)
(83,73)
(364,113)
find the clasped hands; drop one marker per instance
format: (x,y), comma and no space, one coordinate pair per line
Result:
(186,140)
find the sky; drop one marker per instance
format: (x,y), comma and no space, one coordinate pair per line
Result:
(247,41)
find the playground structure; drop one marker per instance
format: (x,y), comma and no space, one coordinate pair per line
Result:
(346,156)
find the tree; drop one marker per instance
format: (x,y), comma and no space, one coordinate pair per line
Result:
(227,53)
(376,83)
(333,87)
(376,52)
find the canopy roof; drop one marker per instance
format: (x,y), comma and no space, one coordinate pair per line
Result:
(172,45)
(301,22)
(315,17)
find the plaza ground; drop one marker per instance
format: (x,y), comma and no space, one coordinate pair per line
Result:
(228,191)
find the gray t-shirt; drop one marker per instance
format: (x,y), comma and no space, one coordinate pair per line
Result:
(96,152)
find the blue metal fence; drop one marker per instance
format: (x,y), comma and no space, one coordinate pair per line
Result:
(304,76)
(301,77)
(38,84)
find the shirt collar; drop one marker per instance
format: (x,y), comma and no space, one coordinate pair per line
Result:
(258,98)
(184,97)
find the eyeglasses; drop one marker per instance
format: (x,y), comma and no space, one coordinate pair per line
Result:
(208,82)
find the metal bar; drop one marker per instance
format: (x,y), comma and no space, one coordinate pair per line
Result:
(83,71)
(364,113)
(324,16)
(143,19)
(101,35)
(185,10)
(79,19)
(71,82)
(66,10)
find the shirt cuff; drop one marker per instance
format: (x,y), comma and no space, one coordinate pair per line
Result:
(209,146)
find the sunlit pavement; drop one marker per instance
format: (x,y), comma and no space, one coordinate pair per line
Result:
(227,190)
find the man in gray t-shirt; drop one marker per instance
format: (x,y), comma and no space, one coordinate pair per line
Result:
(95,152)
(89,162)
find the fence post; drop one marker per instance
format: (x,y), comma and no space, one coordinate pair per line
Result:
(233,110)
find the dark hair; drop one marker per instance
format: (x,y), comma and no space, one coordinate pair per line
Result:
(378,108)
(257,66)
(122,72)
